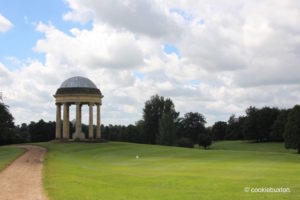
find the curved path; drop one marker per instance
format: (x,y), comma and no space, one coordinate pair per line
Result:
(22,179)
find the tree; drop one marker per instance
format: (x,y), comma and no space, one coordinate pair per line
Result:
(21,133)
(41,131)
(234,129)
(6,125)
(153,111)
(279,125)
(258,124)
(193,125)
(204,140)
(251,124)
(267,117)
(167,134)
(130,133)
(292,129)
(140,125)
(219,130)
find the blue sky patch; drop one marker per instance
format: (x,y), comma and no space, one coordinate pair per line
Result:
(169,49)
(24,15)
(139,75)
(186,16)
(195,82)
(201,21)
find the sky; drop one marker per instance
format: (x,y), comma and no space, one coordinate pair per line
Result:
(209,56)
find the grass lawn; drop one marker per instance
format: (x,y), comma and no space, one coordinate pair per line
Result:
(112,171)
(251,146)
(8,154)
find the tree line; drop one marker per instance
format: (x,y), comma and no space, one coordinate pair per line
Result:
(162,125)
(262,125)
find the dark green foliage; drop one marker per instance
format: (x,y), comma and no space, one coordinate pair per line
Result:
(130,133)
(218,130)
(160,125)
(6,119)
(141,129)
(192,125)
(153,111)
(234,130)
(6,125)
(279,125)
(167,134)
(258,124)
(292,129)
(21,134)
(251,124)
(41,131)
(84,129)
(204,140)
(185,142)
(115,132)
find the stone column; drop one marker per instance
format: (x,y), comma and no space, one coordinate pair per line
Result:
(80,118)
(98,136)
(91,132)
(77,126)
(58,121)
(66,126)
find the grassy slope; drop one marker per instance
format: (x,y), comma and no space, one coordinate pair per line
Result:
(111,171)
(251,146)
(8,154)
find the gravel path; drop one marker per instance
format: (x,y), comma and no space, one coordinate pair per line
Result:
(22,179)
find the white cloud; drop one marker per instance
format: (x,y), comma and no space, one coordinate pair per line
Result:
(100,47)
(5,24)
(233,55)
(5,75)
(141,17)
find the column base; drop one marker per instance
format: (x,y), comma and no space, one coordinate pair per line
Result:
(78,136)
(80,140)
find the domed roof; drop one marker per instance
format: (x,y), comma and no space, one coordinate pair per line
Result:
(78,82)
(78,85)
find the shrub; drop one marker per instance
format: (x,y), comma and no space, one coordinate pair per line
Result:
(204,140)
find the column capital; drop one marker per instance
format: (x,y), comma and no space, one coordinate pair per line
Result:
(91,103)
(58,104)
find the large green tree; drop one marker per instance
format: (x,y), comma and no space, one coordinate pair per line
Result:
(251,124)
(292,129)
(192,125)
(279,126)
(258,123)
(41,131)
(153,112)
(234,129)
(204,140)
(167,133)
(218,130)
(6,125)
